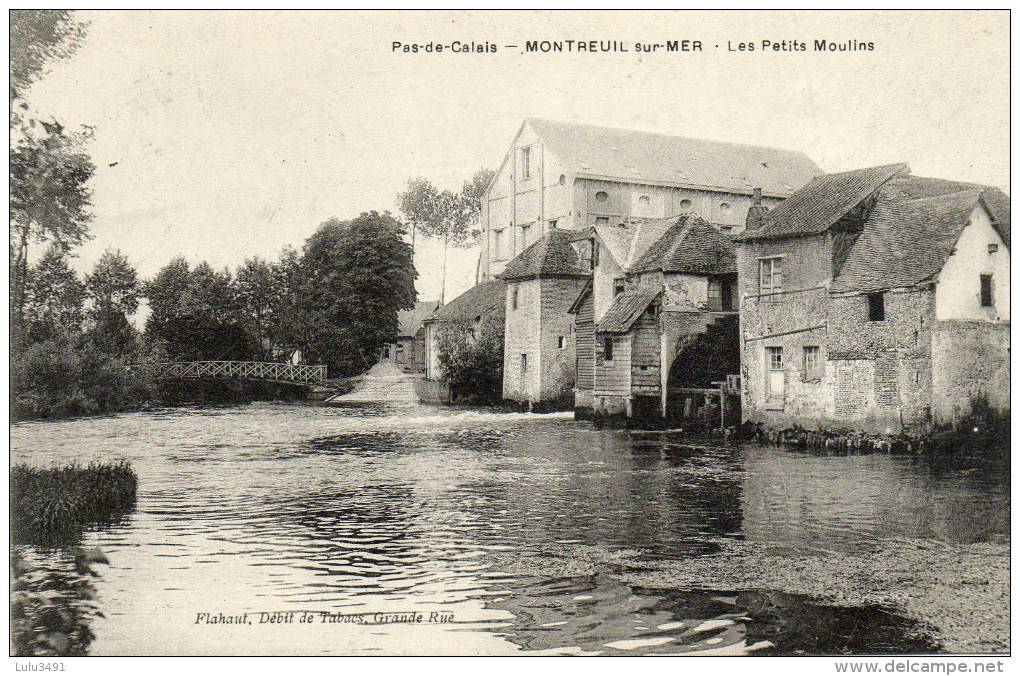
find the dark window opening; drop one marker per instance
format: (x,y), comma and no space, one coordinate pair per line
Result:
(513,300)
(552,224)
(524,363)
(560,342)
(618,286)
(876,307)
(602,220)
(987,296)
(607,348)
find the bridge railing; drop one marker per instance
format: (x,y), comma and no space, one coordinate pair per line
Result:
(242,370)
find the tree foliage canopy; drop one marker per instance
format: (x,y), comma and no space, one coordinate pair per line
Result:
(357,275)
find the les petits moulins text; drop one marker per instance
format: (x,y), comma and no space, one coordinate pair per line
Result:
(678,46)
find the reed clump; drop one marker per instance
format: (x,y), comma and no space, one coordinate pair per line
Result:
(55,505)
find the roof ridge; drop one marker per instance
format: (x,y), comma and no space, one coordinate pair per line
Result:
(976,192)
(630,130)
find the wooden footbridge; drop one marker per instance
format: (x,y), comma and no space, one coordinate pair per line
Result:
(302,374)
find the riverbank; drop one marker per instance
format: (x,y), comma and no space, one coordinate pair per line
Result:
(959,591)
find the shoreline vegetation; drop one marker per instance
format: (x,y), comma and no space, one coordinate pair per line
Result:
(53,604)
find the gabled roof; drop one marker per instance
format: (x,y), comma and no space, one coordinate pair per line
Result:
(821,203)
(995,202)
(626,309)
(905,242)
(549,256)
(474,302)
(617,240)
(645,157)
(690,246)
(409,321)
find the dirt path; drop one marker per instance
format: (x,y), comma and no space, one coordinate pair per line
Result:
(384,382)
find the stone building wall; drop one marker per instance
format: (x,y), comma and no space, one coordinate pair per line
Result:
(970,361)
(522,337)
(557,357)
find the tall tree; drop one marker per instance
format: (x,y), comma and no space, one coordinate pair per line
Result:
(258,297)
(114,292)
(443,214)
(55,297)
(359,274)
(49,168)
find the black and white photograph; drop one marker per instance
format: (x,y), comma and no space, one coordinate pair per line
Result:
(510,333)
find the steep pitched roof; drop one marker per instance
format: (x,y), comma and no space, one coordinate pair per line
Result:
(905,242)
(690,246)
(618,240)
(817,206)
(645,157)
(995,201)
(474,302)
(626,309)
(409,321)
(551,255)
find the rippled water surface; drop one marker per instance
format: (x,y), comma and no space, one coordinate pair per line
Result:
(359,515)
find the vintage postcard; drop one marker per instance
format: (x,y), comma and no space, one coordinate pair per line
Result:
(511,333)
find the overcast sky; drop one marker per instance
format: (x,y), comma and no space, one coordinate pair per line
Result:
(222,135)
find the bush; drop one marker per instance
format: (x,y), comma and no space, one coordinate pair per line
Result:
(472,357)
(55,505)
(65,376)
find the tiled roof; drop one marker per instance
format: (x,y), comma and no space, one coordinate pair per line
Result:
(626,309)
(641,157)
(995,201)
(474,302)
(690,246)
(817,206)
(409,321)
(617,240)
(905,242)
(552,255)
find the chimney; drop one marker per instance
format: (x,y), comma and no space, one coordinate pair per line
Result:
(756,214)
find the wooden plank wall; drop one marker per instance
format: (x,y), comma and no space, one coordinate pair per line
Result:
(645,367)
(585,333)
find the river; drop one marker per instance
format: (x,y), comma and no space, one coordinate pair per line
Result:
(405,529)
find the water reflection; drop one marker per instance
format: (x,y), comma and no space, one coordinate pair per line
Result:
(598,615)
(372,508)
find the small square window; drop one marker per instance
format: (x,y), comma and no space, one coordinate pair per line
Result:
(602,220)
(987,291)
(552,224)
(876,307)
(992,248)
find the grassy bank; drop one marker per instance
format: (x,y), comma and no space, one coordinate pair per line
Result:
(53,506)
